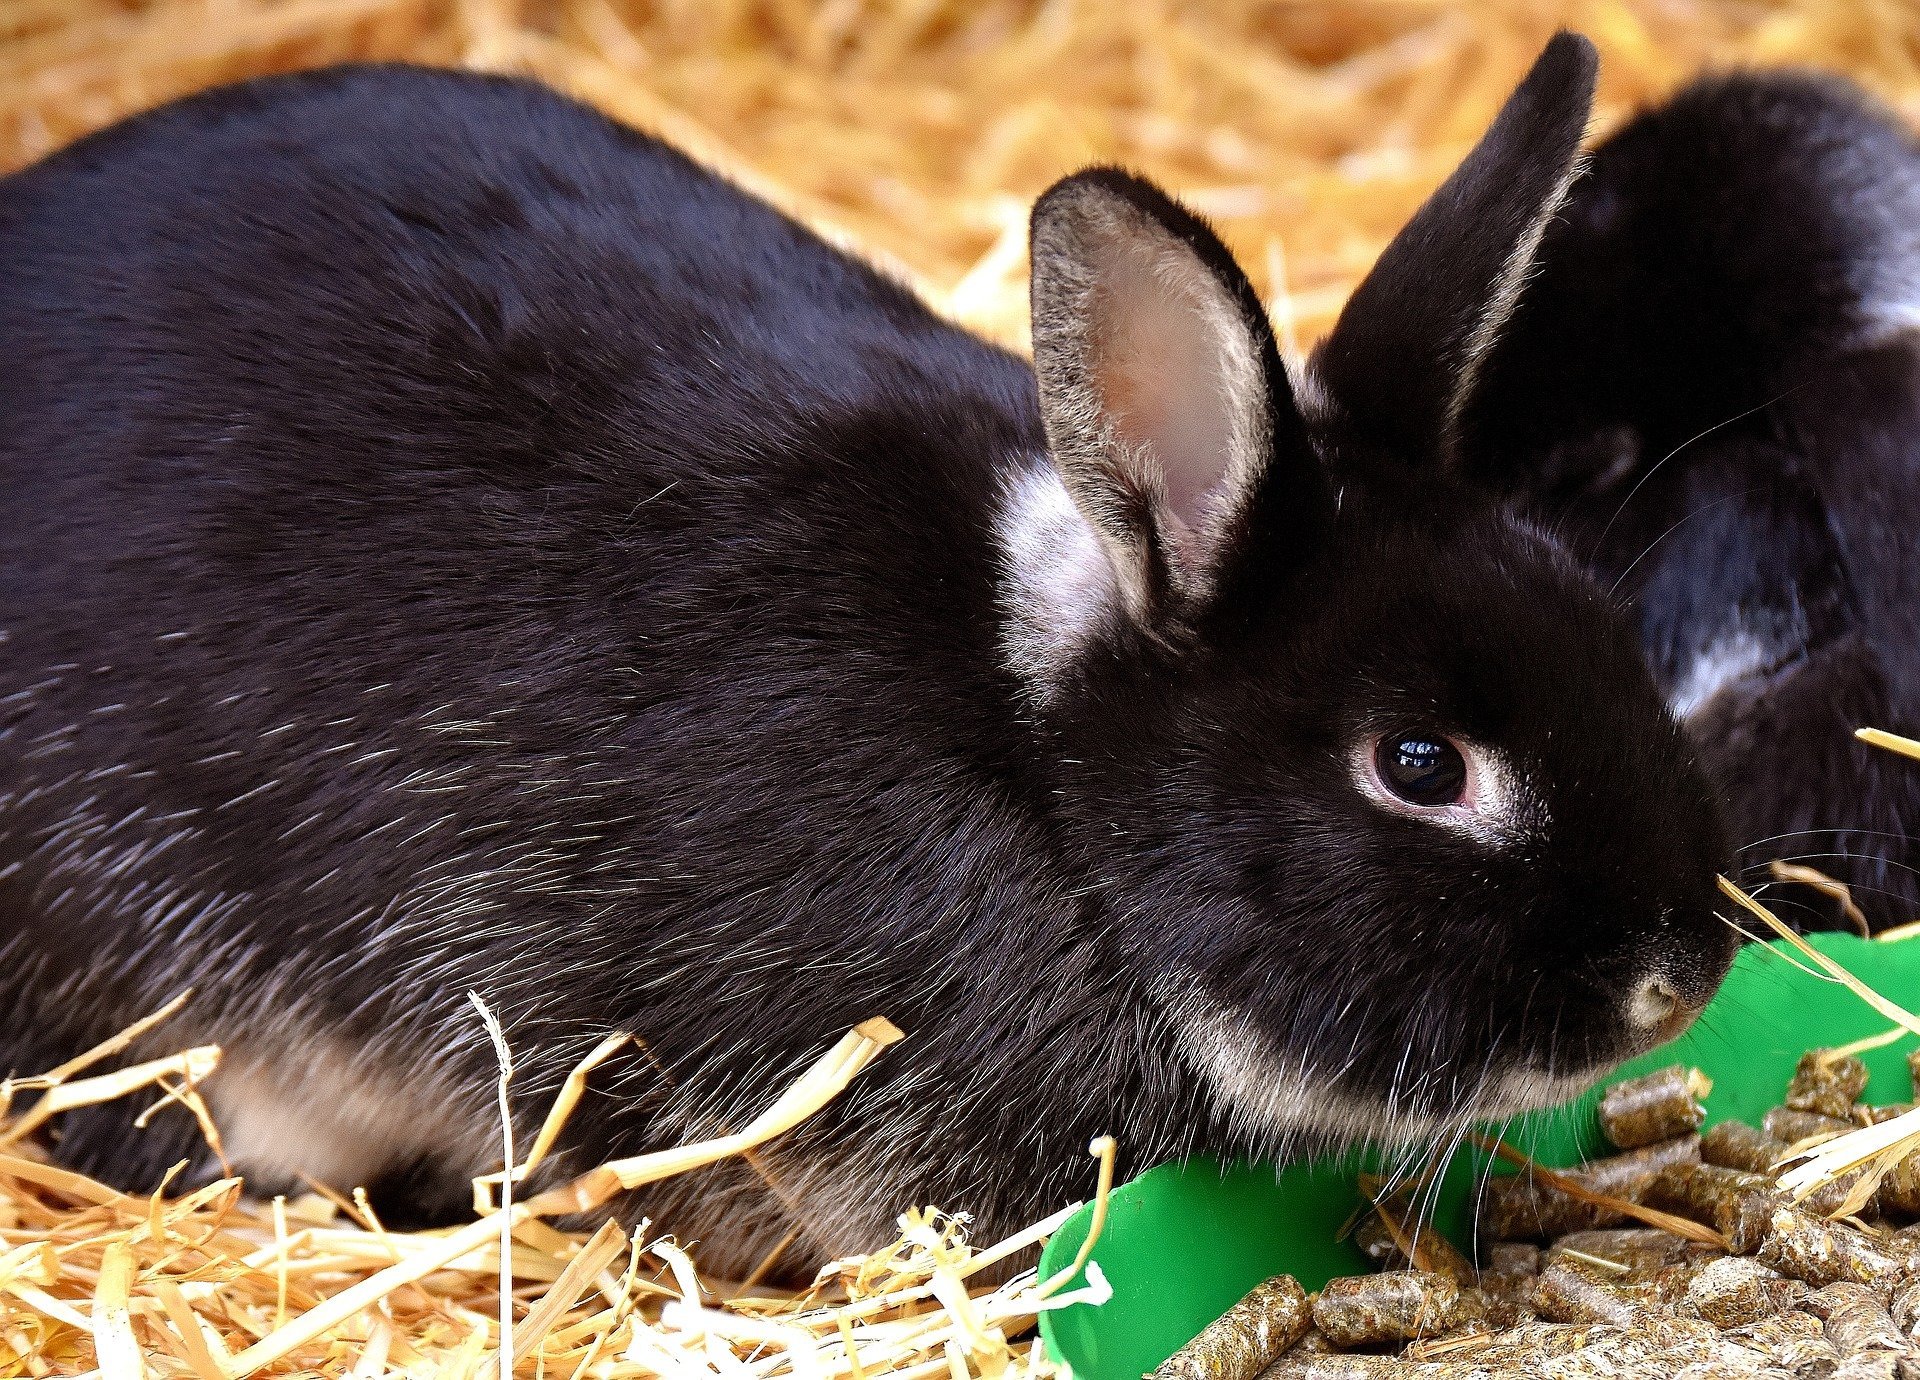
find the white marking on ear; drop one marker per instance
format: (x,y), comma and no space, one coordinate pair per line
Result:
(1500,302)
(1058,581)
(1153,386)
(1310,392)
(1505,810)
(1402,362)
(1886,320)
(1882,209)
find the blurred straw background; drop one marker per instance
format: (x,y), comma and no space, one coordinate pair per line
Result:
(919,130)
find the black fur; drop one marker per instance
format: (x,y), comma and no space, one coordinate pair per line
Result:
(1414,333)
(451,542)
(1712,389)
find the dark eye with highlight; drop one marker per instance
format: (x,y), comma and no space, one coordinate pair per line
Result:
(1421,768)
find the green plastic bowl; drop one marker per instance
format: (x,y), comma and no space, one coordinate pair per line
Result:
(1184,1242)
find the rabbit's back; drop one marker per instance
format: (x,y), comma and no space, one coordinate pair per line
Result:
(448,539)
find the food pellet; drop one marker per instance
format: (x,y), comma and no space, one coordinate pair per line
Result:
(1247,1339)
(1312,1343)
(1433,1252)
(1900,1188)
(1904,1308)
(1522,1207)
(1393,1307)
(1855,1319)
(1637,1252)
(1349,1367)
(1868,1365)
(1506,1284)
(1513,1258)
(1792,1294)
(1736,1145)
(1652,1346)
(1823,1253)
(1826,1085)
(1784,1123)
(1735,1203)
(1506,1301)
(1538,1341)
(1734,1291)
(1570,1293)
(1792,1341)
(1654,1107)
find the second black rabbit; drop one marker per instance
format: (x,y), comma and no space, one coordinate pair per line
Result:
(1711,391)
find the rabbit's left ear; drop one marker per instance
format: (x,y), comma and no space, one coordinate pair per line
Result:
(1163,395)
(1402,361)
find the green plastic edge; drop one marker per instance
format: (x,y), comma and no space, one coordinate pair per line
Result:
(1184,1242)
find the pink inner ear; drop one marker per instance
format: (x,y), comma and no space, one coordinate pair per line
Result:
(1178,376)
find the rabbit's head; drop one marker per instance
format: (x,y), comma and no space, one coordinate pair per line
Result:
(1390,816)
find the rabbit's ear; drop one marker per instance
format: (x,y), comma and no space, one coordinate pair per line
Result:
(1162,391)
(1402,361)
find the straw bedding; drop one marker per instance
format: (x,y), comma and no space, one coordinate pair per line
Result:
(916,131)
(210,1285)
(921,129)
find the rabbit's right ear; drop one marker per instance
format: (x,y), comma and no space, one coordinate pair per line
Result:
(1167,410)
(1403,359)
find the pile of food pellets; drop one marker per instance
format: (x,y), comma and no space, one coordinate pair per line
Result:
(1738,1279)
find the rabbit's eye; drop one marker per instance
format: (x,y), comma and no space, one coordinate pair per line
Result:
(1423,769)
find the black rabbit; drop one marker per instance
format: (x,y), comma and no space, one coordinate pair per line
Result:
(452,542)
(1711,391)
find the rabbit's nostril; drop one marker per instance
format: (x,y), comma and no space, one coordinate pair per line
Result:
(1653,1004)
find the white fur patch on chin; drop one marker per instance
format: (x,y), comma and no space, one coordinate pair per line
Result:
(1058,582)
(1530,1090)
(1254,1078)
(1249,1073)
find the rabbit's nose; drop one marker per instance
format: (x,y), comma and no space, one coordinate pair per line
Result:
(1653,1003)
(1659,1010)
